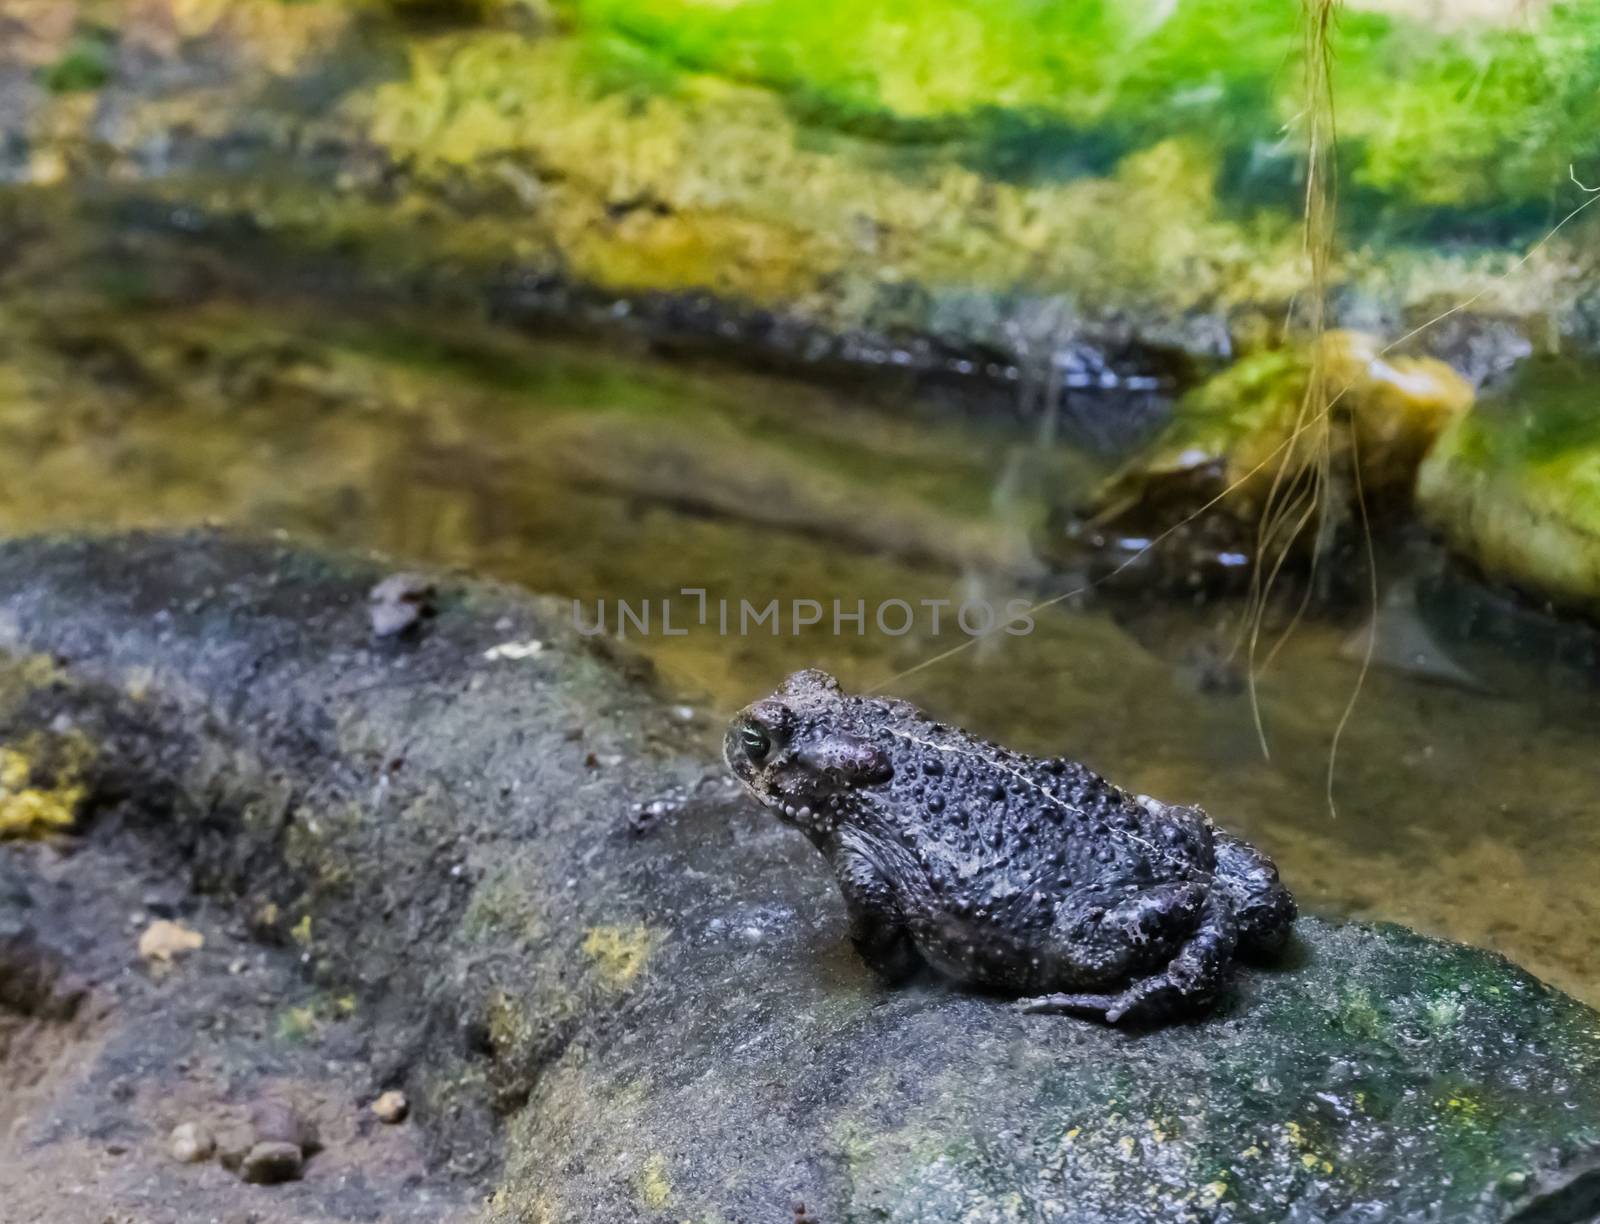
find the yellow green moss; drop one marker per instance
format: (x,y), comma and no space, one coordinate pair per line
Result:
(619,953)
(508,1023)
(655,1189)
(509,1205)
(296,1024)
(502,907)
(41,785)
(303,1020)
(1311,1159)
(312,842)
(282,37)
(21,675)
(713,184)
(1433,113)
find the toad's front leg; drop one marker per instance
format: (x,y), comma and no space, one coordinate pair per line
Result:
(877,924)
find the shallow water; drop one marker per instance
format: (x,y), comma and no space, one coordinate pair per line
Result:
(139,385)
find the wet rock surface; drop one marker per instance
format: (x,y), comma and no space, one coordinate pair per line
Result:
(427,860)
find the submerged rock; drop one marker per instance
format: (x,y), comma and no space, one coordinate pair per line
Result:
(670,1024)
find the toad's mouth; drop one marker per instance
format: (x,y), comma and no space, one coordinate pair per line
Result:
(794,811)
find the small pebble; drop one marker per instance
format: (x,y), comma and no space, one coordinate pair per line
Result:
(164,941)
(192,1143)
(391,1107)
(514,650)
(399,603)
(275,1120)
(645,816)
(268,1164)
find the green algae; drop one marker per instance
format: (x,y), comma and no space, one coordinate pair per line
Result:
(1469,118)
(712,184)
(85,65)
(812,162)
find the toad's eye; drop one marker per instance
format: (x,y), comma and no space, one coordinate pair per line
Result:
(757,743)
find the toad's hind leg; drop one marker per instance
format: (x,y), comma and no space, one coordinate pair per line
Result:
(1188,984)
(1263,910)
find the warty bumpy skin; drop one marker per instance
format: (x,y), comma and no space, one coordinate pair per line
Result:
(1014,874)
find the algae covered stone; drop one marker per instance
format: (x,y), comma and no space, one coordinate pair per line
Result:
(1251,428)
(1515,485)
(673,1026)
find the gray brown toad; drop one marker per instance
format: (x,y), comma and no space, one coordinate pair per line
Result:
(1002,871)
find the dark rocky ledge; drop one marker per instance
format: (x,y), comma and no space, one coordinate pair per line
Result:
(436,864)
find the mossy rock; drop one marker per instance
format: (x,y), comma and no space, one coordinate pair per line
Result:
(1251,433)
(665,1022)
(961,190)
(1514,486)
(1470,114)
